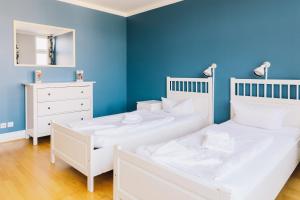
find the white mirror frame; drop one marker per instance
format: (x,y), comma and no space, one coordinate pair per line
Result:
(15,22)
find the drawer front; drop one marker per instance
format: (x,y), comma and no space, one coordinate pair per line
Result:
(58,94)
(44,123)
(60,107)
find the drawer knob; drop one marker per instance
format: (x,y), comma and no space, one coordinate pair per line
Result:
(49,124)
(81,118)
(81,92)
(82,104)
(49,94)
(49,108)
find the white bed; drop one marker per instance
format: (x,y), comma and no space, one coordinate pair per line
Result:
(112,130)
(261,177)
(88,146)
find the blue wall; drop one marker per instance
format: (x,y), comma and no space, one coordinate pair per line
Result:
(181,39)
(177,40)
(101,53)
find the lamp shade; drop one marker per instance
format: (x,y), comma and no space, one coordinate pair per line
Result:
(209,71)
(262,70)
(259,71)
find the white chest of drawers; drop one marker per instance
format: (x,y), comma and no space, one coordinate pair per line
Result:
(60,102)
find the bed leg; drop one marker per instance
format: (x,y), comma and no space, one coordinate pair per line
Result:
(90,183)
(115,189)
(52,157)
(35,141)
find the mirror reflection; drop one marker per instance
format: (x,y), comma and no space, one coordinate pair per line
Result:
(43,45)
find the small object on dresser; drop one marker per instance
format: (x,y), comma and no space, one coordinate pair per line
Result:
(79,75)
(38,76)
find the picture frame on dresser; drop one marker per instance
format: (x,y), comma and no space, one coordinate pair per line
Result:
(62,102)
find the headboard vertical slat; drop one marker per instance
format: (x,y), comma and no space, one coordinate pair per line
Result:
(169,85)
(297,92)
(280,91)
(207,88)
(273,90)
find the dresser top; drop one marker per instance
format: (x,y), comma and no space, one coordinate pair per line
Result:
(57,84)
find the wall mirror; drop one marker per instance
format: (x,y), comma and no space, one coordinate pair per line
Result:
(37,45)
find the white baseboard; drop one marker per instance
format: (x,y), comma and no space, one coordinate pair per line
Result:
(7,137)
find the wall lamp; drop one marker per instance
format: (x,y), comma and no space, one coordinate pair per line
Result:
(262,70)
(210,71)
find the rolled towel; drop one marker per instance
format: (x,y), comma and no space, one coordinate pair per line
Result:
(132,118)
(218,141)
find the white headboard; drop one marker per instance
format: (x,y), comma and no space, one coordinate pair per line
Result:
(272,92)
(201,90)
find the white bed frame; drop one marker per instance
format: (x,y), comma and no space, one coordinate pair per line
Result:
(77,149)
(136,178)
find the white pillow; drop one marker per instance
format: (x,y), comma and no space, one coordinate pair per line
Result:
(168,104)
(183,107)
(260,116)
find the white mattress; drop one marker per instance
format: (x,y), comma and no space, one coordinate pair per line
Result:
(244,178)
(110,130)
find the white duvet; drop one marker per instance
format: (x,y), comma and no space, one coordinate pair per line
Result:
(187,154)
(113,129)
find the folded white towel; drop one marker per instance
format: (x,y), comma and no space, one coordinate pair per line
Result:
(174,153)
(218,141)
(132,118)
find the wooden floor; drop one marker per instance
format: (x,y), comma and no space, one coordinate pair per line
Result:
(26,173)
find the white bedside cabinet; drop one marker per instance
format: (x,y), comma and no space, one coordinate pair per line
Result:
(152,105)
(60,102)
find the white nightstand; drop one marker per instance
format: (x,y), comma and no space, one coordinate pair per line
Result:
(152,105)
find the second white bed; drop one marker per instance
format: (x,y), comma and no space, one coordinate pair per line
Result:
(259,173)
(246,169)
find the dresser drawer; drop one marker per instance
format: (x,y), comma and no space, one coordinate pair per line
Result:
(64,93)
(44,123)
(59,107)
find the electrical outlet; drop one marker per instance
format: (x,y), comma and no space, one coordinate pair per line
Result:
(10,124)
(3,125)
